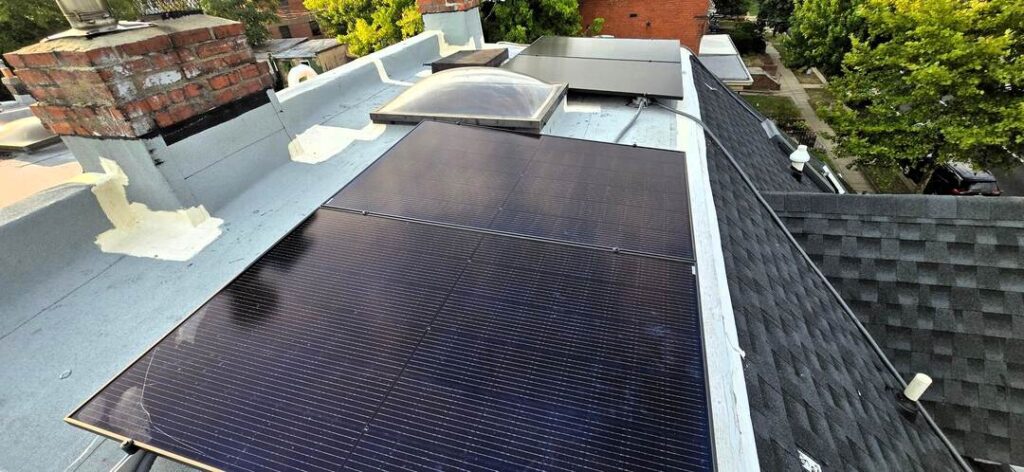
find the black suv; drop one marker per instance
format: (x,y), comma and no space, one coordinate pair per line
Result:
(956,178)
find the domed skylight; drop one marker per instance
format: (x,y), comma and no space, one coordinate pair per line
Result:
(476,95)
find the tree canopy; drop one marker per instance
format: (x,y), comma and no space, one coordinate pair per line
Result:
(938,78)
(820,33)
(256,15)
(367,25)
(24,22)
(523,21)
(775,14)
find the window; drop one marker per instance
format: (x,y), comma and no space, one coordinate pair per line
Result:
(285,31)
(314,27)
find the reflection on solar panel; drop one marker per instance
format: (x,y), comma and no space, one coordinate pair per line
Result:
(618,49)
(576,191)
(366,342)
(605,65)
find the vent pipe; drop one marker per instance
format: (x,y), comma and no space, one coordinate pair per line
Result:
(799,158)
(917,387)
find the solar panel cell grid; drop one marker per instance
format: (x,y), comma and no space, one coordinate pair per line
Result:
(362,342)
(557,188)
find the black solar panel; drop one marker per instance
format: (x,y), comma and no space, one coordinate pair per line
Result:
(604,76)
(564,189)
(644,50)
(369,342)
(605,65)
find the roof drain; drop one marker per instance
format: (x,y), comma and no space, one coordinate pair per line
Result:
(640,103)
(817,272)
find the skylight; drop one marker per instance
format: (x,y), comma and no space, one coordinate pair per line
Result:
(476,95)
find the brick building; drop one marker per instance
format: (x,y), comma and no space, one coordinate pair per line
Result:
(685,20)
(296,21)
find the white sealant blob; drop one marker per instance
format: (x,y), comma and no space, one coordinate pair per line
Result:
(320,142)
(141,232)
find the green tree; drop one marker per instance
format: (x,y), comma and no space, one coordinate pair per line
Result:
(820,33)
(775,14)
(523,21)
(256,15)
(939,78)
(367,25)
(731,7)
(24,22)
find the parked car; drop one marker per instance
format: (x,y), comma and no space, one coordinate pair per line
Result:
(957,178)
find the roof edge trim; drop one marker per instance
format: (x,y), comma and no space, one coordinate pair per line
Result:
(732,426)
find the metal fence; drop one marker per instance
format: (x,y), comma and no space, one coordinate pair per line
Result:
(149,9)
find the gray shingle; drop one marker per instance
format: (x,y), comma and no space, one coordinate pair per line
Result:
(956,312)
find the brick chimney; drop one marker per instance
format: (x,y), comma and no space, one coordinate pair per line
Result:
(139,83)
(459,20)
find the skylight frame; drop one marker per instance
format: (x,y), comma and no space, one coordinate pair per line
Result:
(532,124)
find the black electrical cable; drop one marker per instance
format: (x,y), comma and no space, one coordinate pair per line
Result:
(846,308)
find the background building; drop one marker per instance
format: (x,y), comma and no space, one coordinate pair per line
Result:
(296,21)
(685,20)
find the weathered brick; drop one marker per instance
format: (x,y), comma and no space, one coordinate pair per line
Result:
(220,81)
(215,48)
(177,95)
(186,38)
(14,60)
(42,59)
(193,90)
(250,71)
(157,102)
(61,127)
(73,58)
(137,108)
(164,60)
(103,56)
(237,58)
(225,31)
(34,77)
(225,96)
(146,46)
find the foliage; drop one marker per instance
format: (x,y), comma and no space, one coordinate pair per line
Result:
(256,15)
(939,78)
(820,33)
(747,37)
(337,17)
(24,22)
(367,25)
(523,21)
(731,7)
(595,27)
(775,14)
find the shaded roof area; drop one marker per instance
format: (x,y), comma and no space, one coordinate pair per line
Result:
(739,128)
(307,49)
(814,383)
(939,282)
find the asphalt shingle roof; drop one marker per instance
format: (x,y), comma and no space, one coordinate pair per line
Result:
(939,281)
(739,128)
(814,382)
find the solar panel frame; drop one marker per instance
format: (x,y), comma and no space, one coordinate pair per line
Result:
(604,76)
(618,49)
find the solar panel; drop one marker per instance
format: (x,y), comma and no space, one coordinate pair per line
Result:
(549,187)
(364,341)
(644,50)
(604,76)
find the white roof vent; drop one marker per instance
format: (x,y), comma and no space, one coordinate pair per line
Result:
(799,158)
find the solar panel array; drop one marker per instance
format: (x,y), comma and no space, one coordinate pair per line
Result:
(390,333)
(633,67)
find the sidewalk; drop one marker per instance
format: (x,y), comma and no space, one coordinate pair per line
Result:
(791,88)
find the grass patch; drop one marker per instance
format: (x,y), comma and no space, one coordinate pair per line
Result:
(886,179)
(805,78)
(819,99)
(779,109)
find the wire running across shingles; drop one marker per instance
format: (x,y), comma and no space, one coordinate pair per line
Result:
(362,342)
